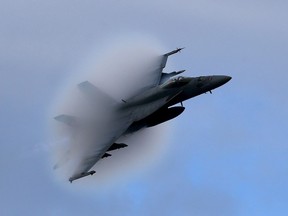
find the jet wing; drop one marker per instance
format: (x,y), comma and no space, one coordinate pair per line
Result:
(94,145)
(97,145)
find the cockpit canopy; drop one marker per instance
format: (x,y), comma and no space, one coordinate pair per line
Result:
(179,78)
(176,82)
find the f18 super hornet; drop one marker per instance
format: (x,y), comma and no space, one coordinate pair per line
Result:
(152,106)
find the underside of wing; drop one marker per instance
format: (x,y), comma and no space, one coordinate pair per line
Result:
(89,161)
(95,147)
(94,140)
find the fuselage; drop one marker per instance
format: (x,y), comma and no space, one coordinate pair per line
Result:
(147,109)
(153,106)
(154,103)
(172,93)
(198,86)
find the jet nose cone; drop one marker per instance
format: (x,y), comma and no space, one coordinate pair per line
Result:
(221,80)
(225,79)
(228,78)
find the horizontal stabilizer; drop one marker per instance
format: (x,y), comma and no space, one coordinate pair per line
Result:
(81,175)
(115,146)
(106,155)
(67,119)
(95,93)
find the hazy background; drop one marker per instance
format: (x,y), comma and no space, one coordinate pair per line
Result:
(228,151)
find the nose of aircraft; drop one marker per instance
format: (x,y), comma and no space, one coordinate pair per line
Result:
(220,80)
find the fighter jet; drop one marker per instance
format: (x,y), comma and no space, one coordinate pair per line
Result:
(155,104)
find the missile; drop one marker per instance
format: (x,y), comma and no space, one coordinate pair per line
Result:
(174,51)
(81,175)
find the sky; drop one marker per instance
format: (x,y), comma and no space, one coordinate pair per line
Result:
(227,152)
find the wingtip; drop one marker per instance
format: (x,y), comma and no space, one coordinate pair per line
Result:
(81,175)
(181,48)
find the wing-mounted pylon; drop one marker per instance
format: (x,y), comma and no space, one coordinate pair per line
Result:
(106,155)
(115,146)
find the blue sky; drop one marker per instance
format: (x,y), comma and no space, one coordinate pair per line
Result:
(228,151)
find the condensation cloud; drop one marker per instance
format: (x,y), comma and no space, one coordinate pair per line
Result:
(120,71)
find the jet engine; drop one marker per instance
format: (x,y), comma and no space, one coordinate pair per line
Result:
(162,115)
